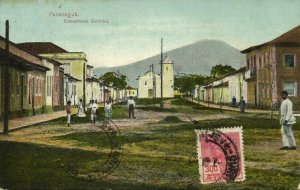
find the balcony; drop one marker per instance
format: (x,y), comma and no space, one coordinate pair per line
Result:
(250,74)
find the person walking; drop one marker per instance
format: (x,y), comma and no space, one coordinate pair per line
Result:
(131,106)
(242,105)
(93,106)
(80,109)
(286,121)
(108,110)
(68,110)
(233,101)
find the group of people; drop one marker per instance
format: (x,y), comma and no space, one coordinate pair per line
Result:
(94,107)
(242,103)
(287,119)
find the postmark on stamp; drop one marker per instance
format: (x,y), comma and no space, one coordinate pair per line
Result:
(220,155)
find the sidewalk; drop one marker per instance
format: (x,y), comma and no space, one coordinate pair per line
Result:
(224,107)
(19,123)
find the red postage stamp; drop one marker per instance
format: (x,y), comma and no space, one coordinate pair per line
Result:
(220,155)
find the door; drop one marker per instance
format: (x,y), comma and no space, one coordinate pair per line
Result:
(150,93)
(22,92)
(32,95)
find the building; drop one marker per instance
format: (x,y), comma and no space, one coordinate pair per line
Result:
(149,85)
(150,82)
(73,63)
(70,89)
(273,67)
(130,91)
(224,89)
(93,88)
(27,81)
(53,84)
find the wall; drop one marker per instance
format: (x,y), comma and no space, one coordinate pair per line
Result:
(143,89)
(77,61)
(285,74)
(49,81)
(36,90)
(168,80)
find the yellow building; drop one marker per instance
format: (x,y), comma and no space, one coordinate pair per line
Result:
(150,82)
(74,64)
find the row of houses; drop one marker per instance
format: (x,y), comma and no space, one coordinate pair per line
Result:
(44,76)
(270,68)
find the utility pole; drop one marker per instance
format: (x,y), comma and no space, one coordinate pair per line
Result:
(83,83)
(161,75)
(6,90)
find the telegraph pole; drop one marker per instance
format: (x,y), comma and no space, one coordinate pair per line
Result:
(83,83)
(161,75)
(6,90)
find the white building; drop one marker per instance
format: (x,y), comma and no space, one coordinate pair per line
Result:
(130,91)
(93,88)
(70,89)
(150,82)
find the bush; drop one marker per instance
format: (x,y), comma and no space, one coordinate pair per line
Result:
(171,119)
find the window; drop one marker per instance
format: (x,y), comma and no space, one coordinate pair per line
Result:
(267,90)
(25,86)
(145,82)
(291,88)
(51,81)
(267,57)
(74,89)
(248,64)
(259,63)
(48,86)
(289,60)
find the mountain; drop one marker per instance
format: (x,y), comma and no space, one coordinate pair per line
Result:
(196,58)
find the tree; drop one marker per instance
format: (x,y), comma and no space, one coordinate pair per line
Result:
(114,80)
(220,70)
(186,83)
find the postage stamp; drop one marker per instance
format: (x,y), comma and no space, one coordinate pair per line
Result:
(220,155)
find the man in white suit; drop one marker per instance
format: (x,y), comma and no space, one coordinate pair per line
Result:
(287,120)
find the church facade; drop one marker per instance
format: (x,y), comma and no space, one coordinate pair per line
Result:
(150,82)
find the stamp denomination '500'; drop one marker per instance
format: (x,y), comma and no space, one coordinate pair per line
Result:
(220,155)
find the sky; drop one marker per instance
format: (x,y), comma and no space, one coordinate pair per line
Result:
(133,28)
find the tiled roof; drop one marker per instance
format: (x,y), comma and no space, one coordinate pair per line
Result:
(290,38)
(21,56)
(130,88)
(92,79)
(71,78)
(41,47)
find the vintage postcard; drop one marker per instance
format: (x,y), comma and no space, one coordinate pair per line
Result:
(149,94)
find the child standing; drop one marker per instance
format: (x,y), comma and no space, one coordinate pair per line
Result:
(108,110)
(68,110)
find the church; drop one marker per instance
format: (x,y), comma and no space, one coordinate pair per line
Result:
(150,82)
